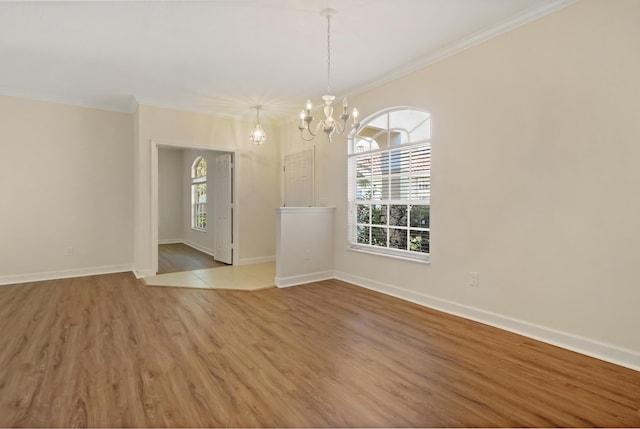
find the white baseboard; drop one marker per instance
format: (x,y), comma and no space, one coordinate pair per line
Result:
(63,274)
(144,273)
(203,249)
(586,346)
(260,260)
(305,278)
(171,241)
(196,246)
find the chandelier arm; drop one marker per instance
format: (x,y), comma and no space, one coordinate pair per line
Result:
(320,127)
(304,138)
(308,128)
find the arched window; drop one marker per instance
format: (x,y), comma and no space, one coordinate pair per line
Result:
(199,194)
(390,183)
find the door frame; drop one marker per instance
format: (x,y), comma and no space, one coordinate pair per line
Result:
(224,202)
(155,145)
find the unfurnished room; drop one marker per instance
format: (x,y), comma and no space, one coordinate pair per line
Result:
(320,213)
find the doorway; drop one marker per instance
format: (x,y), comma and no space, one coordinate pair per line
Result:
(215,232)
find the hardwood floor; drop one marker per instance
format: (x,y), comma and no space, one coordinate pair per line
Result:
(173,258)
(108,351)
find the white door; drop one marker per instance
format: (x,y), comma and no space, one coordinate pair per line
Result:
(223,209)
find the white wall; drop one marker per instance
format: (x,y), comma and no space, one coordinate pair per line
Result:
(257,186)
(304,245)
(66,177)
(536,141)
(170,195)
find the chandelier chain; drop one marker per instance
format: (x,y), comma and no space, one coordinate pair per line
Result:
(328,53)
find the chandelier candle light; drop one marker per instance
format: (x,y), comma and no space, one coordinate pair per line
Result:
(329,125)
(258,136)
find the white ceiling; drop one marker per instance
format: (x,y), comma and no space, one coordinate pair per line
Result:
(223,56)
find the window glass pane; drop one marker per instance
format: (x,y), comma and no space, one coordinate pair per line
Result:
(400,161)
(201,216)
(421,159)
(379,236)
(201,168)
(420,188)
(380,164)
(363,234)
(420,216)
(398,215)
(363,189)
(422,131)
(398,238)
(400,188)
(362,145)
(406,119)
(380,189)
(201,193)
(377,136)
(398,137)
(363,213)
(379,214)
(382,139)
(380,122)
(363,167)
(419,241)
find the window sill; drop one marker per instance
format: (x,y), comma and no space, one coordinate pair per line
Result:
(198,229)
(389,255)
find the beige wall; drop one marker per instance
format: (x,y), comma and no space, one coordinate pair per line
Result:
(65,180)
(258,180)
(170,195)
(536,141)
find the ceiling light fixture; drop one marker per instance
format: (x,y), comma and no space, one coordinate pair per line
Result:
(329,125)
(258,136)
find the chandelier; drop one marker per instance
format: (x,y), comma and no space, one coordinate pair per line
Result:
(329,125)
(258,136)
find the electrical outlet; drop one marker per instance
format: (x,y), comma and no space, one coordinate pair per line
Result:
(474,279)
(68,251)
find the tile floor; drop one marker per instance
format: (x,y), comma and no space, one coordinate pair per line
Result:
(233,277)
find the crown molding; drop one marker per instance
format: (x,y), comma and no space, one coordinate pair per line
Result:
(111,107)
(144,101)
(527,16)
(130,107)
(133,105)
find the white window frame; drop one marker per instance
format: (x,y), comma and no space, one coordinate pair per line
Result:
(409,186)
(198,207)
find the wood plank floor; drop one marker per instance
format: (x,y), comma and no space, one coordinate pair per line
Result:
(177,257)
(108,351)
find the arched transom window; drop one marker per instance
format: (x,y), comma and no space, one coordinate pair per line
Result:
(199,194)
(390,184)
